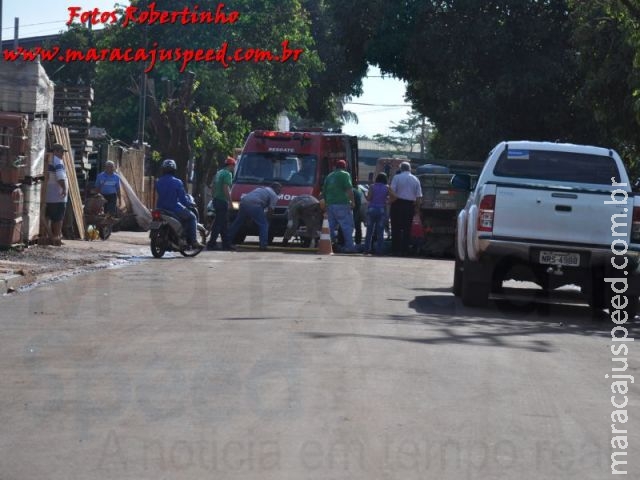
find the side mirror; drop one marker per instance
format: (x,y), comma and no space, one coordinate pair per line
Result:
(461,181)
(636,185)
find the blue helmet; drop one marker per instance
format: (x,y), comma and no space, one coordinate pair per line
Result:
(169,165)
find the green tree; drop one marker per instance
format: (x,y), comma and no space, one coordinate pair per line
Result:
(72,73)
(343,63)
(244,96)
(608,51)
(407,133)
(483,71)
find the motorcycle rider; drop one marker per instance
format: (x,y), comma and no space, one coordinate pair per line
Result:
(172,197)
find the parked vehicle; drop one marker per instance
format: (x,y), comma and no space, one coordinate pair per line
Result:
(299,161)
(441,203)
(168,235)
(549,213)
(389,166)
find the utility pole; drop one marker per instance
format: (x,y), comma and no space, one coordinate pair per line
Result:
(0,25)
(16,25)
(142,101)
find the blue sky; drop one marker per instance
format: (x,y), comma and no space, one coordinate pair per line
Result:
(381,95)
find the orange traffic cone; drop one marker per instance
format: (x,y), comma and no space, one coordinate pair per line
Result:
(324,245)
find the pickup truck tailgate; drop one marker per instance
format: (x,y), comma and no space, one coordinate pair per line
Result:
(438,194)
(575,217)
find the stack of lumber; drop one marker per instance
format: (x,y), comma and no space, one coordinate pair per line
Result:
(17,219)
(26,88)
(72,109)
(26,108)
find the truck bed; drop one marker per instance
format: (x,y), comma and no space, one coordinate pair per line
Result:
(438,194)
(568,216)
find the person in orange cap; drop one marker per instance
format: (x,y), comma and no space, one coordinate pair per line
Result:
(221,202)
(337,192)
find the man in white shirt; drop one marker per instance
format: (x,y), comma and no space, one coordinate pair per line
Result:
(57,193)
(407,192)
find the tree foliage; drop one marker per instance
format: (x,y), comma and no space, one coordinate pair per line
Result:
(72,73)
(343,63)
(412,131)
(607,50)
(480,72)
(483,71)
(240,97)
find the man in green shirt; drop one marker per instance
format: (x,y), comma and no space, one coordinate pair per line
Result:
(338,196)
(221,202)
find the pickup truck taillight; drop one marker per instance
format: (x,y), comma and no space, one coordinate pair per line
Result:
(485,213)
(635,225)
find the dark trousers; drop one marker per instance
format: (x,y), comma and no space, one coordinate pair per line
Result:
(255,213)
(112,203)
(401,214)
(220,224)
(357,225)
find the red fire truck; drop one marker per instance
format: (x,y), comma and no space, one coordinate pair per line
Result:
(300,161)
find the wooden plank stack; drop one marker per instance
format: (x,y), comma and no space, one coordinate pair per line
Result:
(34,176)
(72,109)
(13,150)
(26,88)
(26,108)
(132,167)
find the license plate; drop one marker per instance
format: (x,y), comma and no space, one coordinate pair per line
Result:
(155,225)
(560,258)
(444,204)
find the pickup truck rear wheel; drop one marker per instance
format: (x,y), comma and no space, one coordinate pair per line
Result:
(476,284)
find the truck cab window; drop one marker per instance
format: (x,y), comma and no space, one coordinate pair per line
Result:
(276,166)
(556,166)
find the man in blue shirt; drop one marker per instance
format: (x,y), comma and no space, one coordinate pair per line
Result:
(253,206)
(172,197)
(108,185)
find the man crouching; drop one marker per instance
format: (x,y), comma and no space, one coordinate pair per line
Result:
(305,208)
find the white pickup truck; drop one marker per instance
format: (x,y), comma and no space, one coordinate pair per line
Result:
(552,213)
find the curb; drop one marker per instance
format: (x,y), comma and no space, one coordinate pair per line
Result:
(11,283)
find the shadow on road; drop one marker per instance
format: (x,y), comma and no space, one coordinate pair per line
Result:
(517,319)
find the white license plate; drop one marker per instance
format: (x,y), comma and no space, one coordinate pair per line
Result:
(560,258)
(444,204)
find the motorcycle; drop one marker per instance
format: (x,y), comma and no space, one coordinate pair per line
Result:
(168,235)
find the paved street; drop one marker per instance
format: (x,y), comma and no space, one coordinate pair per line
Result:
(271,365)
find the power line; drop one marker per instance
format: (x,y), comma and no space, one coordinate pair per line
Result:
(378,110)
(379,104)
(34,25)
